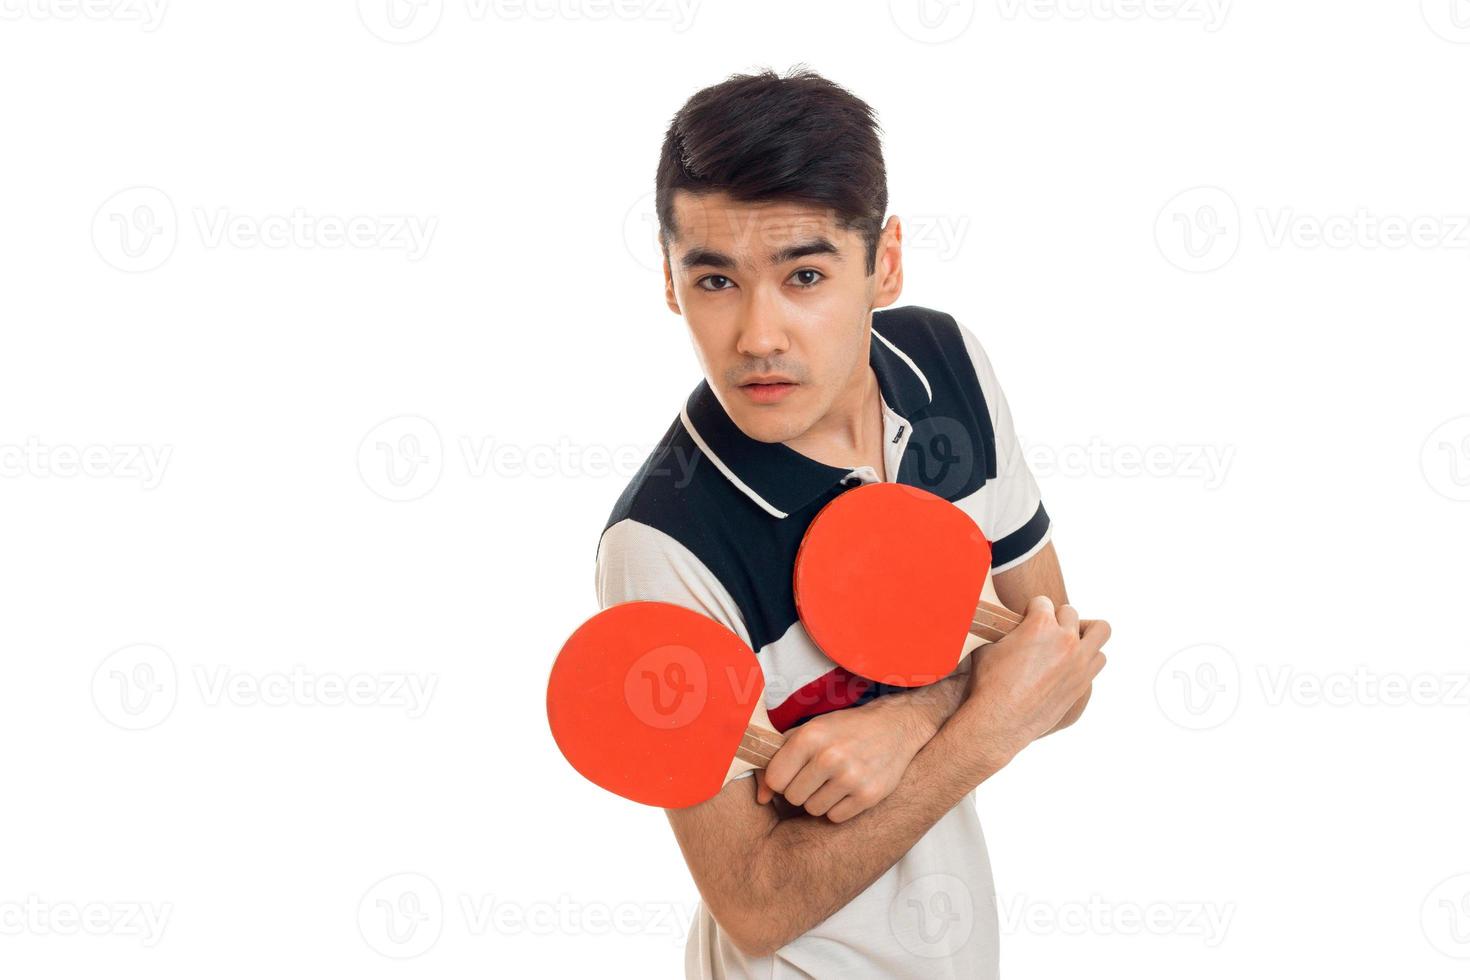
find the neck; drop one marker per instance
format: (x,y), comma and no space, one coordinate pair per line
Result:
(851,434)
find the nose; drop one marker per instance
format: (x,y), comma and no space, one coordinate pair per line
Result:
(762,332)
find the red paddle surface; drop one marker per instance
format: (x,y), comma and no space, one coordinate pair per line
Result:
(887,580)
(650,700)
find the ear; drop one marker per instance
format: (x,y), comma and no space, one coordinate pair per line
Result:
(669,297)
(888,264)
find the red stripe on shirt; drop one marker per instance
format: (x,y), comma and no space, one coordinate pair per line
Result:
(835,689)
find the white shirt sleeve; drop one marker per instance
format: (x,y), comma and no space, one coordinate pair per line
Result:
(636,562)
(639,563)
(1012,500)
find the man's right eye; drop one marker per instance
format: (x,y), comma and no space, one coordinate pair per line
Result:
(708,279)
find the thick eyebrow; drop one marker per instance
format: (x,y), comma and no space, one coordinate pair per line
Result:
(719,260)
(817,246)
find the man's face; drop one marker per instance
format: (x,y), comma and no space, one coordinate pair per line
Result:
(777,298)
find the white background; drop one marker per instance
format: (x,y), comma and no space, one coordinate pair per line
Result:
(173,632)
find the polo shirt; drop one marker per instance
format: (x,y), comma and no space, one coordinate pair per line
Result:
(712,521)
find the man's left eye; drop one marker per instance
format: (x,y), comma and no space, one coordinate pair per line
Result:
(818,277)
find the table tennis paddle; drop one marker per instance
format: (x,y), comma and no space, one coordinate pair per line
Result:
(659,704)
(888,583)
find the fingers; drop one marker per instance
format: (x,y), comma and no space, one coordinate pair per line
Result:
(850,807)
(1042,607)
(808,781)
(1067,619)
(831,793)
(854,803)
(763,792)
(1096,633)
(789,760)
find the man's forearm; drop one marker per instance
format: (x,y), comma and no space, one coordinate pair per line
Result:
(795,878)
(927,708)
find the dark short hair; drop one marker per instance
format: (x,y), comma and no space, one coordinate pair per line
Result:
(762,137)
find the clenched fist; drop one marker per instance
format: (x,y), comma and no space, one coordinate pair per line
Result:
(1027,680)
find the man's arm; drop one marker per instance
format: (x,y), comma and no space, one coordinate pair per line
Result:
(1011,512)
(1041,574)
(767,880)
(841,763)
(847,759)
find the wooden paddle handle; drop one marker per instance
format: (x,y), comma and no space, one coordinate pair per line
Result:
(759,746)
(991,622)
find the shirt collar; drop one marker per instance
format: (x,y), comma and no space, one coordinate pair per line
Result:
(777,478)
(904,386)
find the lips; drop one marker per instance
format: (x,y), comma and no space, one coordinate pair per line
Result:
(768,389)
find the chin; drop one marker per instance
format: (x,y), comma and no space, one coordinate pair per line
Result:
(772,424)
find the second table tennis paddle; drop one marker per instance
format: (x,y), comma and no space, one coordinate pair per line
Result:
(659,704)
(888,581)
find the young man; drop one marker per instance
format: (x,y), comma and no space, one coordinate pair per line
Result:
(771,195)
